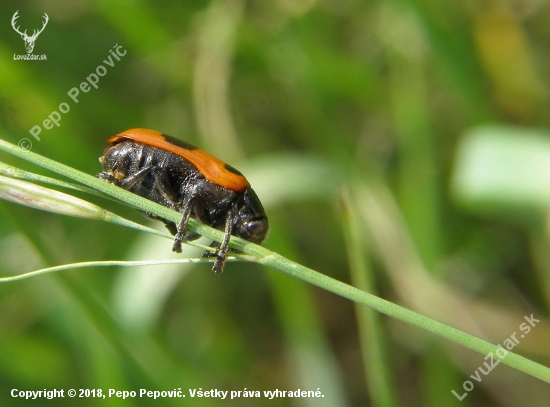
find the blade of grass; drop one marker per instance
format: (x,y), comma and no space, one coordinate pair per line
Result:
(120,263)
(46,199)
(16,173)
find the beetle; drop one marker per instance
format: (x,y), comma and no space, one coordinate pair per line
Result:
(186,179)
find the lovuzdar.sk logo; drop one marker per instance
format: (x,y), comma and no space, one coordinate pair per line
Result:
(29,39)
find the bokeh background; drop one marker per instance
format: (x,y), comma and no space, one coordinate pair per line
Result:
(398,145)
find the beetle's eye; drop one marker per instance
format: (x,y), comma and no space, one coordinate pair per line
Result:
(256,229)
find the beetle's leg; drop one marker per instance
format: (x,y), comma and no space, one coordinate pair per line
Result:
(110,178)
(161,192)
(182,226)
(221,251)
(171,226)
(131,180)
(161,182)
(163,186)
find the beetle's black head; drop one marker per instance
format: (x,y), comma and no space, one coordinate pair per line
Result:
(252,224)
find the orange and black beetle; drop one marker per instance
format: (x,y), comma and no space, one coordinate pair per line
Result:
(186,179)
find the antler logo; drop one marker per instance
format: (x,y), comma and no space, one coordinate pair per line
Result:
(29,40)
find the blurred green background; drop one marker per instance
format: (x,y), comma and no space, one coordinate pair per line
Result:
(399,145)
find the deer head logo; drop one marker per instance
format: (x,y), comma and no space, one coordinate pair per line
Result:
(29,40)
